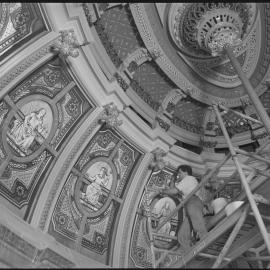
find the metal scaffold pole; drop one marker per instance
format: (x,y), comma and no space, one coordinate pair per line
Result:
(249,89)
(231,238)
(245,184)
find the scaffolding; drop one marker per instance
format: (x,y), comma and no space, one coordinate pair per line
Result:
(220,225)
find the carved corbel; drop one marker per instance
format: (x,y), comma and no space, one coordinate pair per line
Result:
(134,60)
(158,162)
(67,44)
(163,121)
(110,116)
(167,108)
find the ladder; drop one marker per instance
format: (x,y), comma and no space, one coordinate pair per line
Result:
(228,236)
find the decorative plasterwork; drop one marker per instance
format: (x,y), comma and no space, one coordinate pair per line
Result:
(88,205)
(166,64)
(37,118)
(140,252)
(193,25)
(220,71)
(19,22)
(67,44)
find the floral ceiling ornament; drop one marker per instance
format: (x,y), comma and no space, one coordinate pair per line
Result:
(67,44)
(223,39)
(110,115)
(158,162)
(203,29)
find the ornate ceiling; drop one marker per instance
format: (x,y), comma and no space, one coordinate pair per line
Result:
(80,133)
(177,57)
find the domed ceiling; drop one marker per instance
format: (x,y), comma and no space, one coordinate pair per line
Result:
(74,178)
(163,55)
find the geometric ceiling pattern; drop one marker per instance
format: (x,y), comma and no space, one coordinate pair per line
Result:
(19,22)
(126,28)
(87,209)
(38,116)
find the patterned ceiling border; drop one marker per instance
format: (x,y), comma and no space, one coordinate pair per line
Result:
(29,61)
(151,42)
(68,162)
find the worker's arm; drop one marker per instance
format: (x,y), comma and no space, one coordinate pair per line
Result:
(172,191)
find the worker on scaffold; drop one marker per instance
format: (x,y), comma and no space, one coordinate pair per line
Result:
(183,184)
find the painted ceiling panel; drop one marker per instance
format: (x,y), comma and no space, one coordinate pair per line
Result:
(19,22)
(171,66)
(87,209)
(38,117)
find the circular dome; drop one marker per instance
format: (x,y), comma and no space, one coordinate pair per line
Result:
(199,28)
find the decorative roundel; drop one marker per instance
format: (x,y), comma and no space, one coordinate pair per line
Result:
(94,191)
(29,128)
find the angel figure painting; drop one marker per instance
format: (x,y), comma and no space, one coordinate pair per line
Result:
(33,129)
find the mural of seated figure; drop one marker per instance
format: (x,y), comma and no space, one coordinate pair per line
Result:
(94,191)
(23,133)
